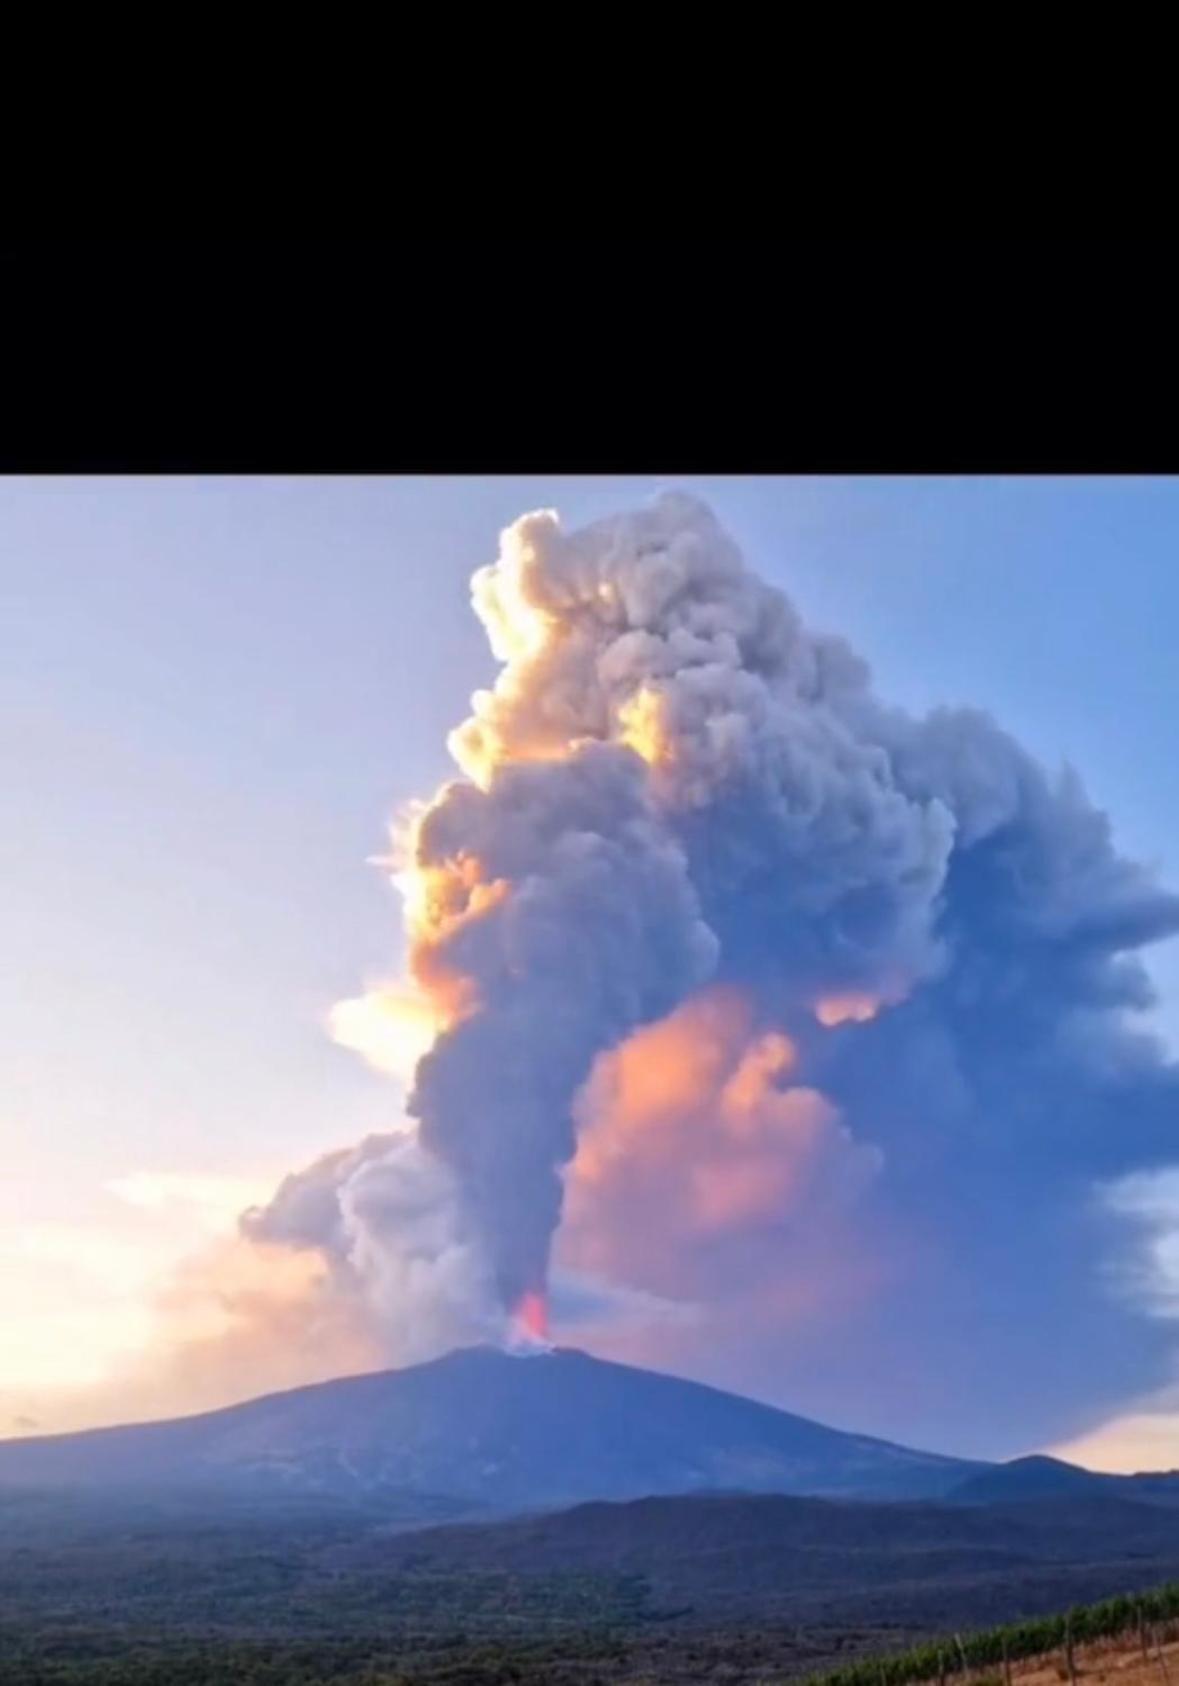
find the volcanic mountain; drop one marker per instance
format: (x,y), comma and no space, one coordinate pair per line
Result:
(498,1432)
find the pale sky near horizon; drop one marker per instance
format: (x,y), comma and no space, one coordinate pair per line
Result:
(217,693)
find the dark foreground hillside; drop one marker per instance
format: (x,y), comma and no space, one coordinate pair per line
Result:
(740,1588)
(740,1558)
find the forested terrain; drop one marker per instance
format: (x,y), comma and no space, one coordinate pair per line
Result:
(157,1592)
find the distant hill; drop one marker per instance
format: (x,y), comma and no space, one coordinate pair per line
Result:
(1035,1477)
(1039,1477)
(494,1431)
(723,1556)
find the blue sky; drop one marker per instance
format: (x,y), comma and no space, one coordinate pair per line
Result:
(217,692)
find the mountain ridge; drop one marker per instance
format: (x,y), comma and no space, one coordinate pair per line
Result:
(505,1431)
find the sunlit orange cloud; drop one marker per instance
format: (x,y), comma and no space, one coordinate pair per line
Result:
(694,1133)
(783,1300)
(436,898)
(641,724)
(479,753)
(854,1007)
(392,1025)
(439,898)
(504,724)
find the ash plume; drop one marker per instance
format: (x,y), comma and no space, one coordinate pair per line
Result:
(676,794)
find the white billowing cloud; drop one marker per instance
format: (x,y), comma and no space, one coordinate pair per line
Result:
(390,1027)
(385,1219)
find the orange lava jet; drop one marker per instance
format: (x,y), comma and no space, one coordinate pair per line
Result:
(530,1319)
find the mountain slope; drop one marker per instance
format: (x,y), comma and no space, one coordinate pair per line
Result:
(506,1432)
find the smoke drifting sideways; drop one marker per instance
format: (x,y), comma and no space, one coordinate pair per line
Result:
(816,1020)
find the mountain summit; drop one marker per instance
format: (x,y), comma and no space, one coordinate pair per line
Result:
(493,1430)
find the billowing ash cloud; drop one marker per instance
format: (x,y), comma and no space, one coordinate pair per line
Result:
(566,918)
(383,1214)
(928,949)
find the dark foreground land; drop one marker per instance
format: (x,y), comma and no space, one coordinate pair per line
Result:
(160,1592)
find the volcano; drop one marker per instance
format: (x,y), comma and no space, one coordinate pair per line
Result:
(497,1432)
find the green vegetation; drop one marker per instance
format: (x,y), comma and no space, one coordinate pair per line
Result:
(123,1657)
(633,1658)
(172,1591)
(960,1653)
